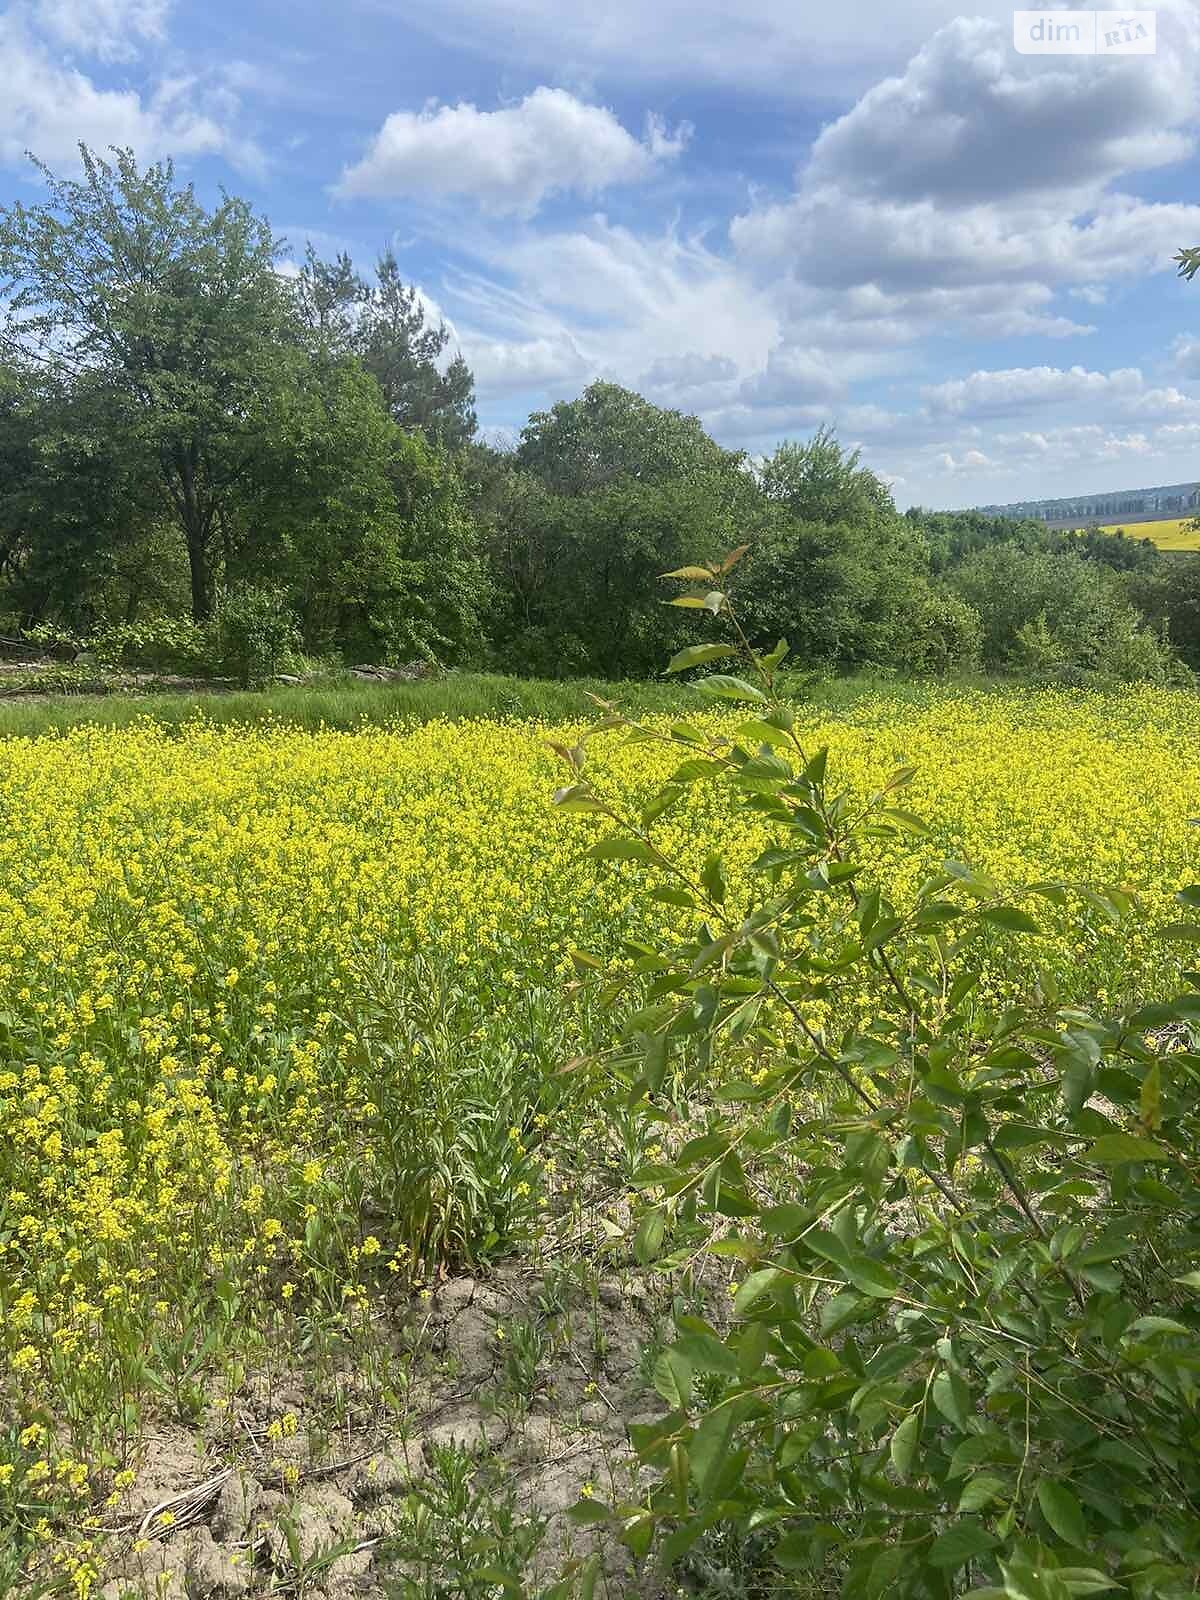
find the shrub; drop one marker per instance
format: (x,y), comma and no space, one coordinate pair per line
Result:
(159,644)
(1057,615)
(963,1346)
(252,634)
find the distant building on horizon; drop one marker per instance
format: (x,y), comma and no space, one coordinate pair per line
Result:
(1123,505)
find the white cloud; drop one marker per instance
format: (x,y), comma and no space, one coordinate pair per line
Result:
(510,160)
(603,301)
(1018,390)
(110,30)
(50,107)
(1185,355)
(972,120)
(979,184)
(969,461)
(761,45)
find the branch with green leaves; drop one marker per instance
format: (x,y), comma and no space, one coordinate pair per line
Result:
(963,1344)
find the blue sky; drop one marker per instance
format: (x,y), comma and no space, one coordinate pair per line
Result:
(768,212)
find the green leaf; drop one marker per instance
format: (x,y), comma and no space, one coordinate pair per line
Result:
(691,574)
(587,1513)
(952,1398)
(960,1544)
(1114,1149)
(905,820)
(1063,1512)
(722,687)
(710,1447)
(699,655)
(648,1240)
(707,1354)
(1010,918)
(752,1348)
(673,1379)
(980,1492)
(872,1278)
(904,1444)
(754,1286)
(712,876)
(616,848)
(1150,1326)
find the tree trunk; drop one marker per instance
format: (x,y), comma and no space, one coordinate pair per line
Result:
(198,564)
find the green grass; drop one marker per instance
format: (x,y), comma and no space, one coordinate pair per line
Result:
(352,703)
(340,704)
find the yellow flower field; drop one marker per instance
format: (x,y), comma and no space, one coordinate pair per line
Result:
(265,996)
(1169,533)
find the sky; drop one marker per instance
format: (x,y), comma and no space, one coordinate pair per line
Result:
(771,213)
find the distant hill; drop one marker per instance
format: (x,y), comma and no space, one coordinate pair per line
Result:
(1123,505)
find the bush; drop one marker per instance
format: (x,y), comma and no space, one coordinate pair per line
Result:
(252,634)
(963,1347)
(159,644)
(1057,616)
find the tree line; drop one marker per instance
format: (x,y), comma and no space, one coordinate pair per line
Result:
(192,433)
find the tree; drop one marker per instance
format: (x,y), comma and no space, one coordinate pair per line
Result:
(610,434)
(366,526)
(384,324)
(175,310)
(820,481)
(403,353)
(1056,615)
(849,594)
(593,559)
(81,537)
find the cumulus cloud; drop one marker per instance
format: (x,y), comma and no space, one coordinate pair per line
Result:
(1185,355)
(1018,390)
(49,107)
(971,120)
(983,174)
(510,160)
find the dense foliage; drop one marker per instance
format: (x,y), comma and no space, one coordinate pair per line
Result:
(179,417)
(960,1223)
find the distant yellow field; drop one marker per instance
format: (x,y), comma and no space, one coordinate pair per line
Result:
(1173,533)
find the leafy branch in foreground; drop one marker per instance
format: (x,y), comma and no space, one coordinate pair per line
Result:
(963,1351)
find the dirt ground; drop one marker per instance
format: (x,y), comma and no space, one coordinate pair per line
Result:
(520,1394)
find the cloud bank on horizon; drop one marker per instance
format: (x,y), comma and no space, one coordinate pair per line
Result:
(958,254)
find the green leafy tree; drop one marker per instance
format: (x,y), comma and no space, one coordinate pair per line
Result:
(384,323)
(820,481)
(178,310)
(367,525)
(853,594)
(1056,615)
(609,435)
(405,353)
(576,573)
(81,516)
